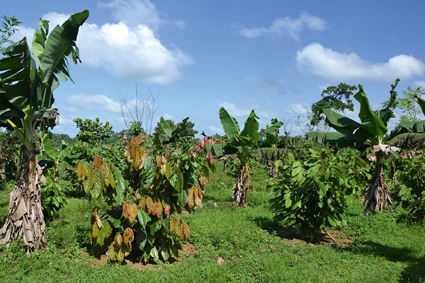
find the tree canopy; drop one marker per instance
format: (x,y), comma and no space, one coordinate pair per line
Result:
(336,98)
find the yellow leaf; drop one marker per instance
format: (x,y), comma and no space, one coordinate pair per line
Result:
(191,198)
(98,221)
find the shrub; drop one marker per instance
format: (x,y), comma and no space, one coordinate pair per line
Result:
(311,194)
(144,204)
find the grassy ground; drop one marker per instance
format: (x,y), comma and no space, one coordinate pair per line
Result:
(387,248)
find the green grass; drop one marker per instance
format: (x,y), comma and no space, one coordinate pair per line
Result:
(387,248)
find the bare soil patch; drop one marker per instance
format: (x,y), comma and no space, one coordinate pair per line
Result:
(294,237)
(188,251)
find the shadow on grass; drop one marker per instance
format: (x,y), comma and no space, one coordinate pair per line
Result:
(413,273)
(75,193)
(293,235)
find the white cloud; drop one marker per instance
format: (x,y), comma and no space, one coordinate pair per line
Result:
(337,66)
(234,111)
(23,32)
(297,108)
(169,117)
(287,26)
(135,12)
(96,102)
(66,122)
(128,51)
(215,130)
(420,83)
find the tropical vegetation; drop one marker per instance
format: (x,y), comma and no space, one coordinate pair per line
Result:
(169,200)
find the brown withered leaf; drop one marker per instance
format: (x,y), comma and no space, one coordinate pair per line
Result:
(98,221)
(128,236)
(198,201)
(132,213)
(149,204)
(125,210)
(186,231)
(167,210)
(154,207)
(96,161)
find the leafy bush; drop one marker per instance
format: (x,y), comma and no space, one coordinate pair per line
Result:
(410,193)
(53,196)
(311,194)
(144,203)
(93,132)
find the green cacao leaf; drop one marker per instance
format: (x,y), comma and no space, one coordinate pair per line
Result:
(119,188)
(104,232)
(180,179)
(90,177)
(165,251)
(182,198)
(141,239)
(86,185)
(167,170)
(98,185)
(143,218)
(154,254)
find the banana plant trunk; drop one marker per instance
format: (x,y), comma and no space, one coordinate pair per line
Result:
(25,217)
(377,196)
(2,168)
(240,188)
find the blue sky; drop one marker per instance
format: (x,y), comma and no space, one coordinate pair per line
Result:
(275,57)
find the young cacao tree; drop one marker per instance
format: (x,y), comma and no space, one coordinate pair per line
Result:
(26,96)
(145,203)
(369,133)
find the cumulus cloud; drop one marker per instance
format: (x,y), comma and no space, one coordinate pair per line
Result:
(93,102)
(235,111)
(129,49)
(337,66)
(22,32)
(136,12)
(286,26)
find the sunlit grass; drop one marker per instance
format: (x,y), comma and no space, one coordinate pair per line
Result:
(387,248)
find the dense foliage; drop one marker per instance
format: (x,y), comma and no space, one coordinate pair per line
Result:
(311,192)
(93,132)
(411,190)
(144,203)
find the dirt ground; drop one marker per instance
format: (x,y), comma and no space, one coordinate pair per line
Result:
(289,235)
(188,251)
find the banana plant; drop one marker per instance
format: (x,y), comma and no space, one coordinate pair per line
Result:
(410,133)
(26,96)
(242,143)
(369,133)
